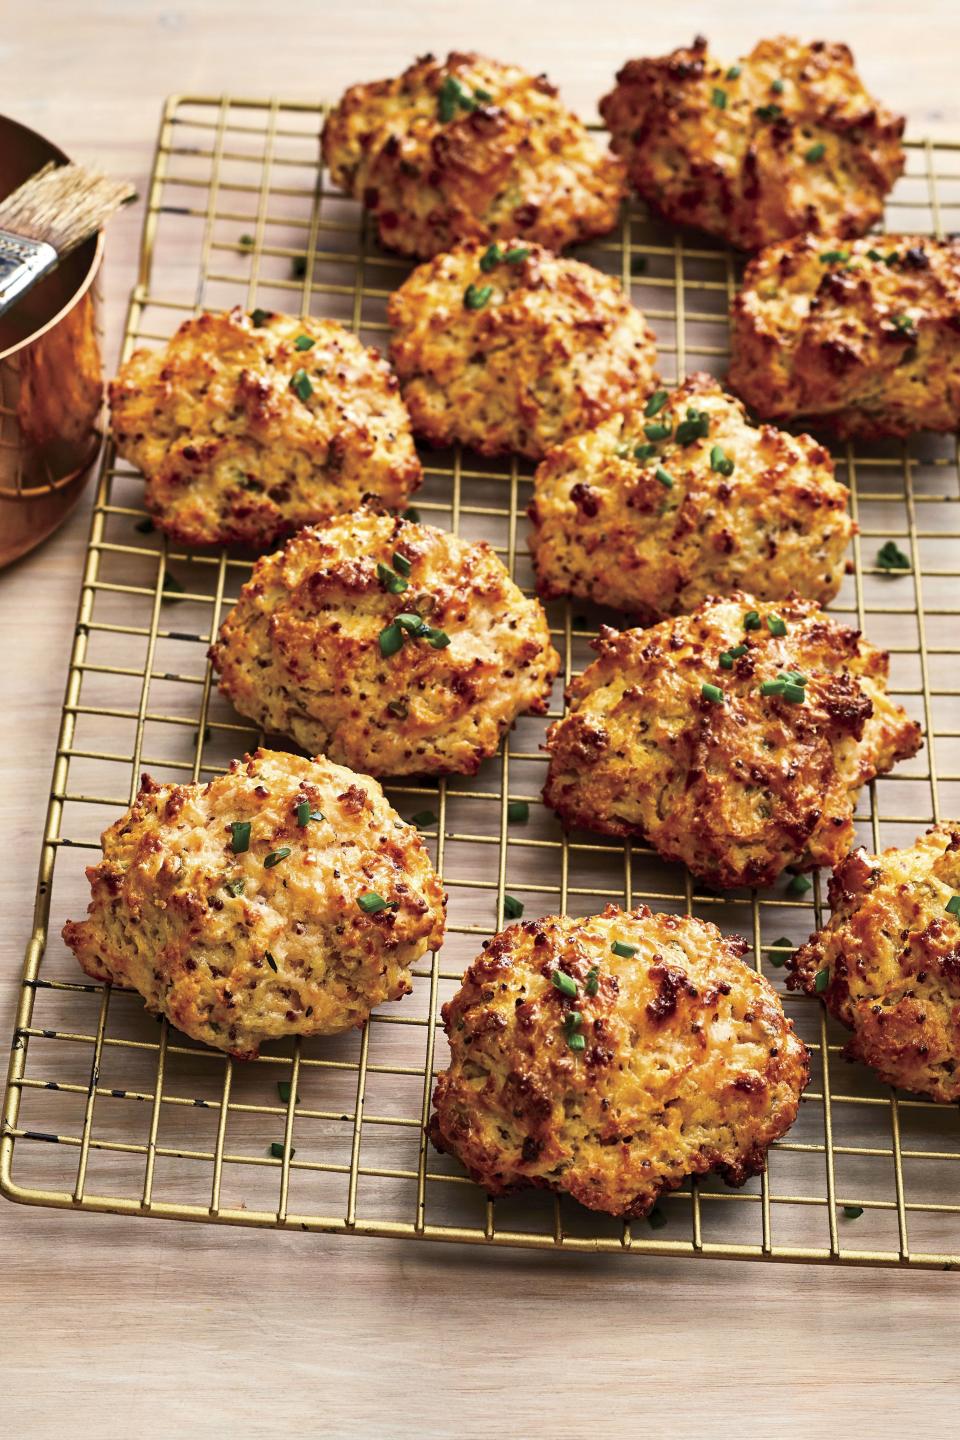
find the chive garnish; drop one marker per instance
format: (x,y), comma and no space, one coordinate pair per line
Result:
(625,951)
(576,1041)
(694,427)
(657,431)
(728,656)
(240,836)
(372,903)
(172,587)
(258,318)
(517,255)
(303,813)
(490,257)
(276,856)
(656,403)
(777,87)
(234,887)
(298,267)
(412,514)
(821,980)
(815,153)
(772,687)
(719,98)
(277,1150)
(452,94)
(563,982)
(592,982)
(518,811)
(733,73)
(512,907)
(300,384)
(835,257)
(482,95)
(905,324)
(768,112)
(795,694)
(852,1212)
(799,885)
(284,1088)
(713,693)
(776,626)
(656,1219)
(644,452)
(394,584)
(304,342)
(401,564)
(778,961)
(874,255)
(423,818)
(720,461)
(270,961)
(751,621)
(953,905)
(665,478)
(411,622)
(476,296)
(391,638)
(246,241)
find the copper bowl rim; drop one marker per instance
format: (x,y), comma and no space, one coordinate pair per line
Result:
(95,263)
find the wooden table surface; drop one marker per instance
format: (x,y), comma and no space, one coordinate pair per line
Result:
(116,1327)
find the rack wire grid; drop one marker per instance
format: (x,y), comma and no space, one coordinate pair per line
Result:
(107,1109)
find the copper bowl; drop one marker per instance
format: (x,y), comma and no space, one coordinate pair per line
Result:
(51,375)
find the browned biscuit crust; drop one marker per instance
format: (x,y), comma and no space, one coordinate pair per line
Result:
(247,431)
(735,788)
(784,141)
(469,149)
(237,947)
(889,962)
(302,651)
(517,356)
(715,505)
(687,1061)
(863,335)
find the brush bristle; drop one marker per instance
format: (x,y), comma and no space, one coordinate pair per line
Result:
(63,205)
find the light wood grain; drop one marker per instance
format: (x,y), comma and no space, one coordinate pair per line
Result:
(114,1327)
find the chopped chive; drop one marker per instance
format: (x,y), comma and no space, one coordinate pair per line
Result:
(799,885)
(656,403)
(490,257)
(751,621)
(304,342)
(726,660)
(298,267)
(303,813)
(592,982)
(423,818)
(391,638)
(576,1041)
(874,255)
(398,708)
(694,427)
(277,1150)
(172,588)
(412,514)
(644,452)
(852,1212)
(777,87)
(563,982)
(904,323)
(259,318)
(821,980)
(891,557)
(778,961)
(656,431)
(300,384)
(656,1219)
(815,153)
(772,687)
(719,98)
(776,626)
(145,527)
(483,95)
(517,255)
(393,584)
(794,693)
(519,811)
(246,241)
(953,905)
(270,961)
(665,478)
(720,461)
(240,835)
(411,622)
(234,887)
(284,1088)
(439,639)
(892,258)
(372,903)
(625,951)
(834,257)
(276,856)
(768,112)
(452,95)
(476,296)
(573,1019)
(401,564)
(712,693)
(733,73)
(512,907)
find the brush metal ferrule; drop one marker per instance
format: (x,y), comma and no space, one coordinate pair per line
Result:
(22,263)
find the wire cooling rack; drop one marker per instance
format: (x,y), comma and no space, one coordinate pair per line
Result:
(107,1109)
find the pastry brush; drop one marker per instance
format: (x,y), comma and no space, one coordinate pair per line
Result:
(51,214)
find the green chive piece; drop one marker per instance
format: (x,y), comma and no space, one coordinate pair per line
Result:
(450,95)
(476,296)
(719,98)
(284,1088)
(172,587)
(270,961)
(656,431)
(720,462)
(303,813)
(712,693)
(626,952)
(577,1041)
(412,514)
(644,452)
(573,1019)
(821,980)
(656,403)
(776,626)
(482,95)
(518,811)
(240,835)
(891,557)
(304,342)
(298,267)
(665,478)
(372,903)
(276,856)
(439,639)
(874,255)
(391,638)
(246,241)
(815,153)
(778,961)
(694,427)
(259,318)
(234,887)
(852,1212)
(768,112)
(592,982)
(777,87)
(423,818)
(733,73)
(726,661)
(953,905)
(564,983)
(734,654)
(300,384)
(656,1219)
(277,1150)
(401,564)
(795,694)
(835,257)
(512,907)
(490,257)
(773,687)
(517,255)
(394,584)
(905,324)
(799,885)
(751,621)
(411,622)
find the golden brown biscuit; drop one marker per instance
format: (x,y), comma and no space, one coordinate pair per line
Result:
(888,963)
(249,426)
(733,739)
(516,352)
(284,898)
(784,141)
(613,1056)
(392,646)
(863,335)
(679,499)
(470,150)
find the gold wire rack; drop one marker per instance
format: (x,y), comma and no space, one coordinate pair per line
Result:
(109,1110)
